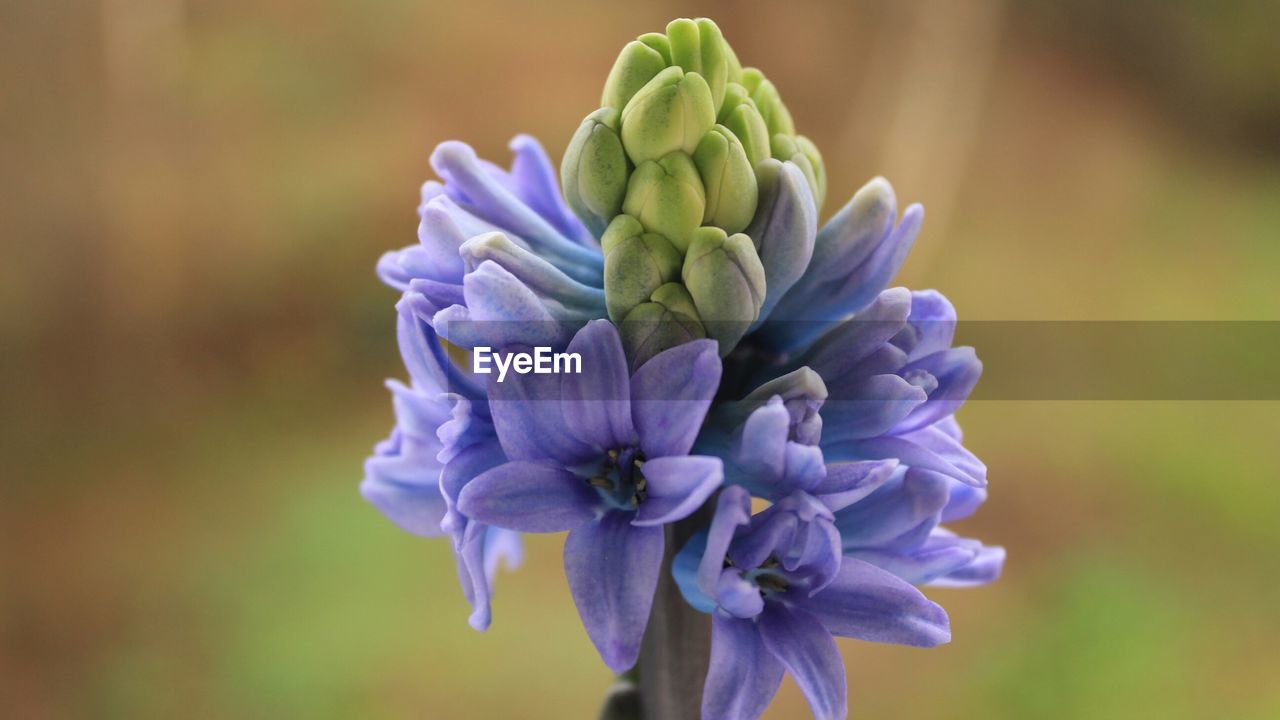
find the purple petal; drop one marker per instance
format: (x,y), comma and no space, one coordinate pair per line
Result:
(487,197)
(931,325)
(529,497)
(984,568)
(535,183)
(964,501)
(460,470)
(528,417)
(910,505)
(841,349)
(869,407)
(956,372)
(471,576)
(914,450)
(613,569)
(937,557)
(800,642)
(408,494)
(761,452)
(847,483)
(481,550)
(743,676)
(733,510)
(670,396)
(677,486)
(597,402)
(868,603)
(425,358)
(567,298)
(784,229)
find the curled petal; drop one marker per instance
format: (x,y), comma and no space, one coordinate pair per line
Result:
(677,486)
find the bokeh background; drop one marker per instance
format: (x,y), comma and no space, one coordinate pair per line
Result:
(193,194)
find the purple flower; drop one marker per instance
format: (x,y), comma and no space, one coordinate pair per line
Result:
(893,383)
(500,259)
(776,603)
(604,456)
(441,441)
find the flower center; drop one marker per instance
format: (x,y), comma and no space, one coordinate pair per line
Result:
(620,480)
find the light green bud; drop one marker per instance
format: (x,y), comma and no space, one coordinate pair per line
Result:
(636,264)
(744,120)
(636,65)
(667,197)
(724,277)
(697,46)
(659,42)
(786,147)
(667,320)
(769,102)
(670,113)
(809,150)
(728,178)
(594,171)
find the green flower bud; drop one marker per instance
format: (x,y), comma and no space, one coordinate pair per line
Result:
(636,264)
(697,46)
(658,42)
(728,178)
(636,65)
(726,281)
(786,147)
(667,320)
(667,197)
(743,120)
(594,171)
(769,102)
(670,113)
(809,150)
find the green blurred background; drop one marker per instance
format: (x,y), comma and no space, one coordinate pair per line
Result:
(193,195)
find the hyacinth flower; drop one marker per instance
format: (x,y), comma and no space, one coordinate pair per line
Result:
(728,345)
(773,613)
(603,455)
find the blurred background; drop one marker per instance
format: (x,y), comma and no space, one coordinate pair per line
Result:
(193,195)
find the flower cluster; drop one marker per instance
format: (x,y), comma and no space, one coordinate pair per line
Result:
(731,350)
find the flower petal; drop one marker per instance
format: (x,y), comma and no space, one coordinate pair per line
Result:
(808,652)
(529,419)
(670,395)
(871,604)
(677,486)
(984,568)
(529,497)
(613,567)
(534,180)
(743,676)
(847,483)
(869,407)
(597,401)
(733,510)
(956,371)
(903,510)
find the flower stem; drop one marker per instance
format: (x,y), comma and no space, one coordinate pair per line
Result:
(677,644)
